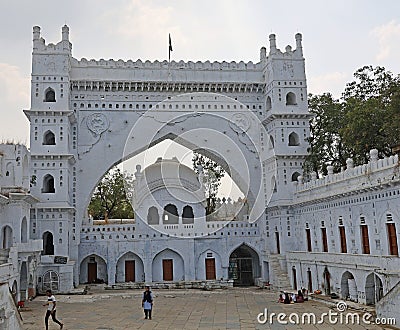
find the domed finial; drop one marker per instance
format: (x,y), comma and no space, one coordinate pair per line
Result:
(36,32)
(299,47)
(65,33)
(263,53)
(272,43)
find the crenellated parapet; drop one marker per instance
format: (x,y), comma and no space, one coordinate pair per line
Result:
(190,65)
(374,175)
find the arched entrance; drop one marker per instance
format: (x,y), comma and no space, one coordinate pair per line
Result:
(348,287)
(327,281)
(168,265)
(23,281)
(7,237)
(130,268)
(373,289)
(93,270)
(48,244)
(244,266)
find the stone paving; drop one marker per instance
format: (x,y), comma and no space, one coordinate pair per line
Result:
(175,309)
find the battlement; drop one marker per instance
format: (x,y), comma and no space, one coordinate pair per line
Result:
(39,43)
(376,173)
(139,64)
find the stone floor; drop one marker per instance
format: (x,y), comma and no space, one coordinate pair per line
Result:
(177,309)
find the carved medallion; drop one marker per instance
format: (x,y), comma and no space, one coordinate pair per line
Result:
(240,123)
(97,123)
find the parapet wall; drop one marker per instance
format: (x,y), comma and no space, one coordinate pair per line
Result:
(376,173)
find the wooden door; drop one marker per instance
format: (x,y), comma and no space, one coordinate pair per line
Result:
(324,240)
(393,248)
(129,270)
(210,269)
(365,240)
(308,235)
(92,272)
(343,245)
(168,271)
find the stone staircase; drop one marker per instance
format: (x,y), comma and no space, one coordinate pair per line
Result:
(388,307)
(279,277)
(4,253)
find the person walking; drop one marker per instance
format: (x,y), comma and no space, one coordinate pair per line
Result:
(147,302)
(51,310)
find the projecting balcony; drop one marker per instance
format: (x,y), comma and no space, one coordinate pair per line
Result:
(34,245)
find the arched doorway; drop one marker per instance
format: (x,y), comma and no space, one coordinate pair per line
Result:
(168,265)
(23,281)
(48,245)
(24,230)
(348,287)
(373,289)
(327,281)
(7,237)
(129,268)
(93,270)
(244,266)
(170,215)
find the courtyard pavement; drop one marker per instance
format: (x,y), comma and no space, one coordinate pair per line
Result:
(176,309)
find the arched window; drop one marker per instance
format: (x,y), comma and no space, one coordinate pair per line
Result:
(48,184)
(268,103)
(7,237)
(294,139)
(49,138)
(50,281)
(48,245)
(187,215)
(50,95)
(295,176)
(291,99)
(24,230)
(10,169)
(170,215)
(152,216)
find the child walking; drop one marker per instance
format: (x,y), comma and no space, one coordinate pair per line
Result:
(147,302)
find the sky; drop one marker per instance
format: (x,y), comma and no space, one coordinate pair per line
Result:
(338,37)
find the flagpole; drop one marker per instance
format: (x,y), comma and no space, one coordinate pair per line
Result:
(169,54)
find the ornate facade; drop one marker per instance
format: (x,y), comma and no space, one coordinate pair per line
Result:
(252,118)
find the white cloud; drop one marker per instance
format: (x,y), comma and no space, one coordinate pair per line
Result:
(333,82)
(388,36)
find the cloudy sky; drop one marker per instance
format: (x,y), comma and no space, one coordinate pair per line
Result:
(338,37)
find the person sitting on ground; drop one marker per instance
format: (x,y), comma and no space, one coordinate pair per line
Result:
(281,299)
(305,294)
(293,297)
(300,297)
(286,298)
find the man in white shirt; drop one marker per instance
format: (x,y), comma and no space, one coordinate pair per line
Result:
(51,310)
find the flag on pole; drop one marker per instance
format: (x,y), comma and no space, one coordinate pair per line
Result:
(170,47)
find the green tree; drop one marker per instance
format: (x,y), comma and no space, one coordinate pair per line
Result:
(112,196)
(212,175)
(366,117)
(326,145)
(372,104)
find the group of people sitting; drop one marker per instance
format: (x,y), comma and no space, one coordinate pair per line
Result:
(291,298)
